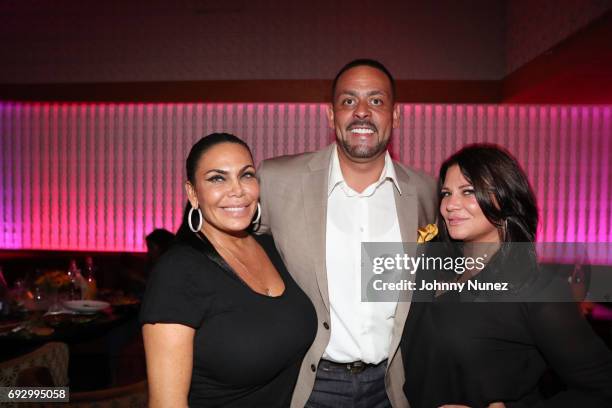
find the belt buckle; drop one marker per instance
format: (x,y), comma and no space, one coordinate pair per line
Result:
(356,367)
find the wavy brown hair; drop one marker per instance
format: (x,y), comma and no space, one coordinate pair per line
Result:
(501,188)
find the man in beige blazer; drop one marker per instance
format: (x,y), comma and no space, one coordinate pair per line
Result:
(319,206)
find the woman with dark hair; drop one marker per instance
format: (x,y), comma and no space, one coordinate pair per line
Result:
(224,324)
(465,346)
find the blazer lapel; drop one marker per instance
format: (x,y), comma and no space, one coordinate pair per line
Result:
(406,205)
(314,191)
(408,217)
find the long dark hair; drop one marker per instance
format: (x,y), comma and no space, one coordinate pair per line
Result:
(507,201)
(191,164)
(501,188)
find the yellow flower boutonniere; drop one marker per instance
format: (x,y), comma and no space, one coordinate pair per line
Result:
(427,233)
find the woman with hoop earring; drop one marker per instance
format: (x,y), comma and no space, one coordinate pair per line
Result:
(224,324)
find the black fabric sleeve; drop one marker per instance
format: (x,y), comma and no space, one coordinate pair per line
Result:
(179,289)
(574,352)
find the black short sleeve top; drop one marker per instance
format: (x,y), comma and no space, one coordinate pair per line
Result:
(248,347)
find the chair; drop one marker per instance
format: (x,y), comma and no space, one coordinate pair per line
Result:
(52,356)
(129,396)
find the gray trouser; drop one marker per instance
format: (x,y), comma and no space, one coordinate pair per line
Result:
(337,387)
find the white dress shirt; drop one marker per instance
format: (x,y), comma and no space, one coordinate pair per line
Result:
(359,330)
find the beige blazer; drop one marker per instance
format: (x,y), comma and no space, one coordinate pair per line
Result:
(294,209)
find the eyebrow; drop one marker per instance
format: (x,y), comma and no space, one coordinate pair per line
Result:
(227,172)
(461,186)
(371,93)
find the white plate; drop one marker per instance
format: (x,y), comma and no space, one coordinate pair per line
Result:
(86,306)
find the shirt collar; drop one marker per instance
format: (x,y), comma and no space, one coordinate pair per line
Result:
(336,178)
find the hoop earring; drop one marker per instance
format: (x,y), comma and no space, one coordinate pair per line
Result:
(189,219)
(256,220)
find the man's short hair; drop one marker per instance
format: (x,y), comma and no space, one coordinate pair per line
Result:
(368,63)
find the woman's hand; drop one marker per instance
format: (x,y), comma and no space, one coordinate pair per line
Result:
(169,352)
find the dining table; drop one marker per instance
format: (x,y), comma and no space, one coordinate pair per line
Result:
(90,328)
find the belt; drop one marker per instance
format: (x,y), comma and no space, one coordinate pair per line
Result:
(354,367)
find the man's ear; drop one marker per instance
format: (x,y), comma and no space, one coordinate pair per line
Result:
(330,116)
(191,194)
(396,115)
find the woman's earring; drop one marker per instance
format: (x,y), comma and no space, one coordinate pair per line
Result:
(199,222)
(256,220)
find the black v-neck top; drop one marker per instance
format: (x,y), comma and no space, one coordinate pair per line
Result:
(248,347)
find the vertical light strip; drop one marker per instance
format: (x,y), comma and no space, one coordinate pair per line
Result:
(593,190)
(101,171)
(288,130)
(571,169)
(138,127)
(581,168)
(455,135)
(427,147)
(62,138)
(302,143)
(120,165)
(109,181)
(540,172)
(90,188)
(72,203)
(42,129)
(34,134)
(30,214)
(159,186)
(8,194)
(168,173)
(549,189)
(16,183)
(606,175)
(5,193)
(81,200)
(563,163)
(54,170)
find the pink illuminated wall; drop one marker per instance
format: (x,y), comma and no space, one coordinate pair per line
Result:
(101,176)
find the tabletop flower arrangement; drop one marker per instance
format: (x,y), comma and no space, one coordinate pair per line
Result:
(51,280)
(50,289)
